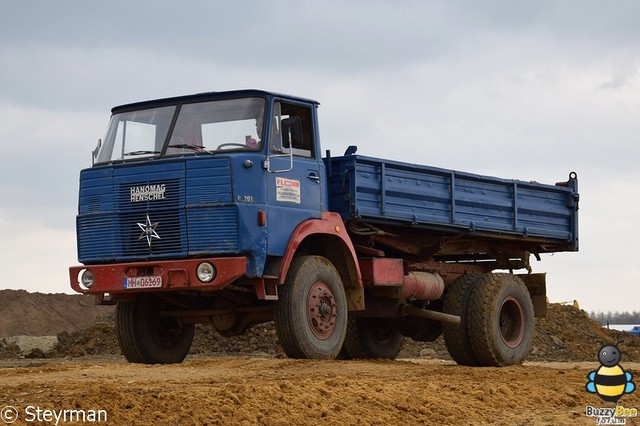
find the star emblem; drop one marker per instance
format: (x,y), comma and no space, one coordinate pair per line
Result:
(148,231)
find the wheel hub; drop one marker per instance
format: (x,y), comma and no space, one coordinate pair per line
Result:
(321,310)
(511,322)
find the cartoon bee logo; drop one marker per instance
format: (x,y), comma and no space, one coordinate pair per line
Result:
(610,381)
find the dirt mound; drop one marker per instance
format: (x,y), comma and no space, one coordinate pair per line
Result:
(39,314)
(99,339)
(259,340)
(567,334)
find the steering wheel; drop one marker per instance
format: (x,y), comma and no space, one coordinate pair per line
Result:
(241,145)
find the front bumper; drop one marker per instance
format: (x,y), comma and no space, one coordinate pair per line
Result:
(175,275)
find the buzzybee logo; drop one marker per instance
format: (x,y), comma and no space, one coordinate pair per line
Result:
(610,381)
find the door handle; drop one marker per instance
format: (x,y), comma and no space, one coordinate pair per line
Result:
(314,176)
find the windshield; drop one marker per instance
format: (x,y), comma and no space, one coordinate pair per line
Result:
(204,127)
(136,134)
(219,125)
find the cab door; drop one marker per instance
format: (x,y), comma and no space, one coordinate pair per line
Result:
(295,176)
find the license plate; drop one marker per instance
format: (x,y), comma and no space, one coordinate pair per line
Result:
(143,282)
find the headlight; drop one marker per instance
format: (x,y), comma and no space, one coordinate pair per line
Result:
(206,272)
(87,279)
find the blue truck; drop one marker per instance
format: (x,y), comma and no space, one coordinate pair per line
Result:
(219,208)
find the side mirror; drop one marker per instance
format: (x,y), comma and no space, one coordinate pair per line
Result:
(291,133)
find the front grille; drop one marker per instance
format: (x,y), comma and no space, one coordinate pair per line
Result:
(200,220)
(167,239)
(163,213)
(95,238)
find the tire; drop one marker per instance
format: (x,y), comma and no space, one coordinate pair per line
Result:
(311,312)
(421,329)
(147,338)
(372,338)
(501,322)
(456,337)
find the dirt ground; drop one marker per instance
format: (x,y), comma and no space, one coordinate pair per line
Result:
(247,380)
(271,391)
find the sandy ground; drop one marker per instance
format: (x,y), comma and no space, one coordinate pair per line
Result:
(270,391)
(247,380)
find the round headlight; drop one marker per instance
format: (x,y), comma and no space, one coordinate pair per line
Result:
(87,279)
(206,272)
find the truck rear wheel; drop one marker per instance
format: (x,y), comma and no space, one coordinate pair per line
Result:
(456,337)
(145,337)
(311,312)
(501,322)
(372,338)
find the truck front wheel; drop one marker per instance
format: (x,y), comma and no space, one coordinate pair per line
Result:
(311,312)
(501,322)
(148,338)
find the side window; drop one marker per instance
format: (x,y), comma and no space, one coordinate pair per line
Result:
(292,128)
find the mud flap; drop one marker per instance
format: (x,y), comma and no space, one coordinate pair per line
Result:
(537,286)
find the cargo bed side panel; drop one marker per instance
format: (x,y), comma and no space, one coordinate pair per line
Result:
(376,190)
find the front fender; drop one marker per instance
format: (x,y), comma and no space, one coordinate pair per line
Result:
(327,237)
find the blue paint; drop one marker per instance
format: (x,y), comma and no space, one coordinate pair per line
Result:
(391,192)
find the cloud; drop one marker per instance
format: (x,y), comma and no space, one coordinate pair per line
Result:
(35,257)
(603,275)
(42,153)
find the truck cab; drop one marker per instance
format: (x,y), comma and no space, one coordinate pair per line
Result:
(249,159)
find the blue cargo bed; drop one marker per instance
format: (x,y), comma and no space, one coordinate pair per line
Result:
(386,192)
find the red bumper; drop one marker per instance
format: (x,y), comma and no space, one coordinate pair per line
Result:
(125,278)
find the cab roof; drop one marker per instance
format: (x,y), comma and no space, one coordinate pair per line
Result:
(208,96)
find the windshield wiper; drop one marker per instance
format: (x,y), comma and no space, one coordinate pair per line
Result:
(141,152)
(188,146)
(196,148)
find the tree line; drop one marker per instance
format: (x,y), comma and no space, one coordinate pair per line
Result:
(616,317)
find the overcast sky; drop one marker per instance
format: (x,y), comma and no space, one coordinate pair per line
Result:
(523,90)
